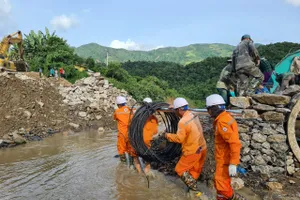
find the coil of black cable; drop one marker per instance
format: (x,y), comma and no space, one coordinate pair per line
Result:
(161,150)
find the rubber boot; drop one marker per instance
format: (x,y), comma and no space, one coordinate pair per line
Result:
(189,180)
(122,158)
(237,196)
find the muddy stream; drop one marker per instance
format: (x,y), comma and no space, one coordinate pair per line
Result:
(79,166)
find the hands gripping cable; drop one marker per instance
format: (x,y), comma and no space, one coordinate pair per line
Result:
(161,150)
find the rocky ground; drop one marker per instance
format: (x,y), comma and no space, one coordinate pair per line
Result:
(33,108)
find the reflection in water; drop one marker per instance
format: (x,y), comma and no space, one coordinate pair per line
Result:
(77,166)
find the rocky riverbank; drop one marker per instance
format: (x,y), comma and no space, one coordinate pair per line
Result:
(33,108)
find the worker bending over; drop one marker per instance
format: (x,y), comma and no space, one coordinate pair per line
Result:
(150,129)
(190,136)
(246,64)
(226,82)
(123,116)
(227,147)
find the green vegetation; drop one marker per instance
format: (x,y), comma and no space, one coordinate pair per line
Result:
(195,80)
(136,86)
(47,50)
(275,52)
(150,75)
(182,55)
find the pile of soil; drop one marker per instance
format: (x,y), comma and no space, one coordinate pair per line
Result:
(31,104)
(32,108)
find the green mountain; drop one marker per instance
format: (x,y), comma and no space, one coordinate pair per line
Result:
(183,55)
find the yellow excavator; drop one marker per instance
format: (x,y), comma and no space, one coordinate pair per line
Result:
(12,66)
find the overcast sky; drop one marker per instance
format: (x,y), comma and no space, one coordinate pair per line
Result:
(148,24)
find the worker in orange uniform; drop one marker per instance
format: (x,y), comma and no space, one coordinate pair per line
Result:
(227,147)
(150,129)
(123,115)
(190,136)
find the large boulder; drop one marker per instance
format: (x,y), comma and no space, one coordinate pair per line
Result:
(18,139)
(243,128)
(280,147)
(263,107)
(89,81)
(258,160)
(250,114)
(292,90)
(241,102)
(271,99)
(73,125)
(276,138)
(273,116)
(237,183)
(257,137)
(283,110)
(274,186)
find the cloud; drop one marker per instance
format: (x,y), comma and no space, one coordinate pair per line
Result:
(87,10)
(131,45)
(295,3)
(7,23)
(64,22)
(158,47)
(5,8)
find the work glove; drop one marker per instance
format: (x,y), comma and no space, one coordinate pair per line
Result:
(232,170)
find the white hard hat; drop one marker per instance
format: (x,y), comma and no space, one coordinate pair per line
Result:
(120,100)
(147,100)
(214,99)
(179,102)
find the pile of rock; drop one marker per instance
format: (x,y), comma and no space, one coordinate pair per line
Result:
(262,132)
(92,98)
(31,109)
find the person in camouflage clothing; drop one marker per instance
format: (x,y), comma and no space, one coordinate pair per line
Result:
(226,81)
(246,63)
(290,78)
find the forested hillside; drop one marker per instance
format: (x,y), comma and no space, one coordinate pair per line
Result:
(159,80)
(182,55)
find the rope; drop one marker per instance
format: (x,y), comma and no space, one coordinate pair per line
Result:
(161,150)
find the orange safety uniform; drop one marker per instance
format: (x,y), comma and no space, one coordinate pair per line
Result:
(123,116)
(227,151)
(150,129)
(190,135)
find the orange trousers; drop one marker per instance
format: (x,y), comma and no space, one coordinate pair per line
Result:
(191,163)
(123,145)
(222,182)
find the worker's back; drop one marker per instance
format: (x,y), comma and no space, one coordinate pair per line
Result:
(150,129)
(227,143)
(244,55)
(194,133)
(122,115)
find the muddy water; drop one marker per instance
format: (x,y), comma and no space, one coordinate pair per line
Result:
(78,166)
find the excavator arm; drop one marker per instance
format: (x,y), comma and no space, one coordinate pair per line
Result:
(5,64)
(9,40)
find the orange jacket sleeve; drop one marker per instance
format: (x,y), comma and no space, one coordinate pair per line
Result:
(232,138)
(180,136)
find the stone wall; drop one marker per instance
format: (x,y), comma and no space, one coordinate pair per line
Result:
(262,129)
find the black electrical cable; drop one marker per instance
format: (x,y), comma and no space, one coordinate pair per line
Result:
(161,150)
